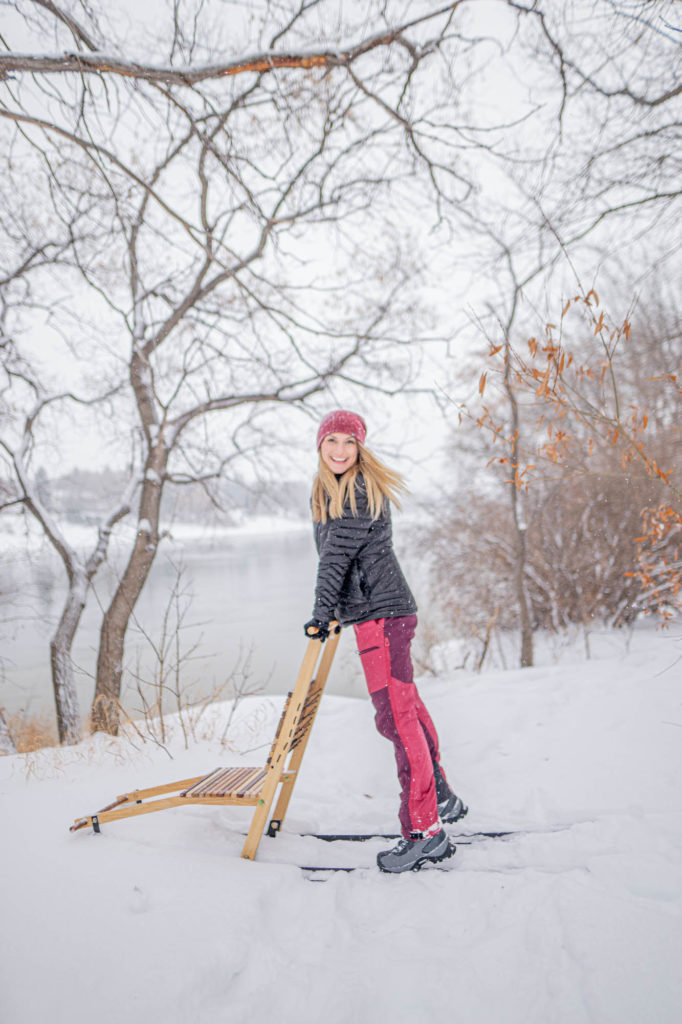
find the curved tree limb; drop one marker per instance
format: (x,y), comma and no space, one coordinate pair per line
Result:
(267,60)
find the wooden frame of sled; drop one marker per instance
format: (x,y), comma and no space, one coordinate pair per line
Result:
(244,787)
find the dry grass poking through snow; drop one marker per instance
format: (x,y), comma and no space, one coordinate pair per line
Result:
(32,732)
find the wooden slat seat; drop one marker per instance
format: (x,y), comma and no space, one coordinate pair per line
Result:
(232,783)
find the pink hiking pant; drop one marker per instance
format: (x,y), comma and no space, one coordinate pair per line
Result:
(384,647)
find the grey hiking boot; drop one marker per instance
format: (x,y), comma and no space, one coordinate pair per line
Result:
(410,854)
(451,810)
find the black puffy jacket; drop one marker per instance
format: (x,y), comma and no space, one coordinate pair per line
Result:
(358,576)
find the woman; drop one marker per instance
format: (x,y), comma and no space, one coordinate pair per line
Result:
(360,583)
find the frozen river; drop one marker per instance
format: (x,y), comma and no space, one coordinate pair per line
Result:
(246,592)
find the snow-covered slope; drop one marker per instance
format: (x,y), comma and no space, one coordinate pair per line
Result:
(158,918)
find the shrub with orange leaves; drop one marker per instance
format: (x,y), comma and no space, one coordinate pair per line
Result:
(593,386)
(576,376)
(660,561)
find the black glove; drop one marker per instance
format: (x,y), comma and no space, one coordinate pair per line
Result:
(316,630)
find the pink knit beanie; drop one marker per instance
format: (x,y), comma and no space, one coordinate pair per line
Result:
(343,422)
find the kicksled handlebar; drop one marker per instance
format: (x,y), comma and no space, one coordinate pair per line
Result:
(334,627)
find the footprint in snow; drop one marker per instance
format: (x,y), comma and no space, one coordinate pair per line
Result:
(137,901)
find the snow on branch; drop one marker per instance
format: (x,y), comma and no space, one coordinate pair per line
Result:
(264,61)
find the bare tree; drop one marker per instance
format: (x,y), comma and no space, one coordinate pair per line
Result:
(80,569)
(24,488)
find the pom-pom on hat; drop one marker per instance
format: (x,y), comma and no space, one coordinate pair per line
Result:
(342,422)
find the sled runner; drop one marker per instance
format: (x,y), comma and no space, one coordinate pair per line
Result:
(245,787)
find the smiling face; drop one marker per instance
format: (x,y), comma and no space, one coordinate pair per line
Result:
(339,452)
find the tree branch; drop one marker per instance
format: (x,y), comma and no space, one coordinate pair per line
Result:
(77,30)
(267,60)
(92,147)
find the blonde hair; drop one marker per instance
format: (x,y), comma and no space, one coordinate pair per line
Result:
(381,483)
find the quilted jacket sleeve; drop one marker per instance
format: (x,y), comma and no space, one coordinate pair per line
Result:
(340,541)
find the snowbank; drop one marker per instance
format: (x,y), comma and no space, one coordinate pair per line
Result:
(576,919)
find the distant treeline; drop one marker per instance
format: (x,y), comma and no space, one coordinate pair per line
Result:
(83,496)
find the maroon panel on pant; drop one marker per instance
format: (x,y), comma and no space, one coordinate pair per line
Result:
(399,633)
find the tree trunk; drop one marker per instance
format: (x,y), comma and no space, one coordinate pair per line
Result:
(66,701)
(105,713)
(519,573)
(519,525)
(6,742)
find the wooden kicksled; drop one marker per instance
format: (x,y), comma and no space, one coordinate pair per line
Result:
(245,787)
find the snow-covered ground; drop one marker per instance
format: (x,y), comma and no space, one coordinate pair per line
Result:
(575,920)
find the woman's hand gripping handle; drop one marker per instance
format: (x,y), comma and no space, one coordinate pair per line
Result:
(317,630)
